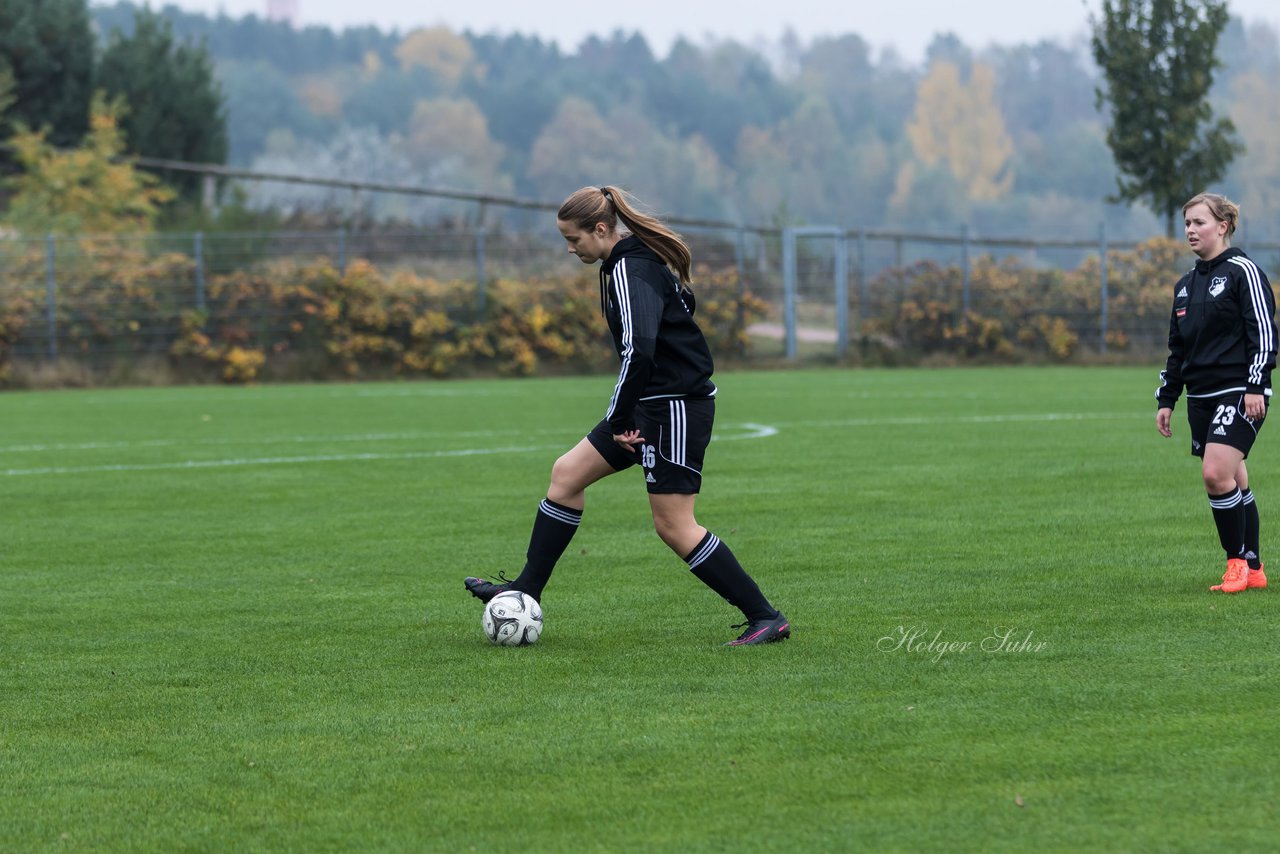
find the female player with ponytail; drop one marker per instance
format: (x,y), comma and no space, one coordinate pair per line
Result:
(659,416)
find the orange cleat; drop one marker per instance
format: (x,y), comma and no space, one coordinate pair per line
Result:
(1236,578)
(1257,579)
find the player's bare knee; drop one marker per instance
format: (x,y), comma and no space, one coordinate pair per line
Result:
(562,472)
(667,538)
(565,481)
(667,530)
(1218,482)
(680,535)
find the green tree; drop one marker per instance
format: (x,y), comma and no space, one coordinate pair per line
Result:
(6,92)
(717,92)
(176,109)
(577,147)
(821,175)
(261,99)
(1043,89)
(840,70)
(524,82)
(250,38)
(385,98)
(86,189)
(1158,58)
(1257,173)
(762,173)
(448,139)
(48,47)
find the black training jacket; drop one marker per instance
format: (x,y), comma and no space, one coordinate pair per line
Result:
(662,350)
(1222,331)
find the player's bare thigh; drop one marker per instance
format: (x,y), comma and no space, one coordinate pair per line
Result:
(574,471)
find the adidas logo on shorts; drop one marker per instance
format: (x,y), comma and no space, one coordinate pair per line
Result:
(649,478)
(1220,431)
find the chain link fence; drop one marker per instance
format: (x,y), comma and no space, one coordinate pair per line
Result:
(821,292)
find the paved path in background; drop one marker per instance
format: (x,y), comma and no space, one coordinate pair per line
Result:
(776,330)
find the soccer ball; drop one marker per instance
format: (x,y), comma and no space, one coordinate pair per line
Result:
(512,618)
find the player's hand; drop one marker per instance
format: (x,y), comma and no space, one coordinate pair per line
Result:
(629,439)
(1163,416)
(1255,406)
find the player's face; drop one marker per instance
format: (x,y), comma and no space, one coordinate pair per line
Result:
(1206,235)
(590,245)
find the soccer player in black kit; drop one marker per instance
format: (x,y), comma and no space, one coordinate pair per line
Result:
(1222,348)
(659,416)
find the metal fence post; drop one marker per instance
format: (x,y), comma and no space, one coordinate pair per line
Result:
(740,253)
(342,252)
(1102,284)
(198,251)
(357,207)
(864,286)
(964,268)
(480,276)
(740,257)
(789,290)
(842,293)
(50,296)
(209,193)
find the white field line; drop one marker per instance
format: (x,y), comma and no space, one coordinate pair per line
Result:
(740,431)
(750,431)
(267,461)
(214,396)
(973,419)
(266,440)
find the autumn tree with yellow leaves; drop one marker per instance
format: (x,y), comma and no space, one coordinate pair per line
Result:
(958,126)
(444,53)
(87,189)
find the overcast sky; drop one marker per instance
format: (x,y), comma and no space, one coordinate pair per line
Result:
(907,25)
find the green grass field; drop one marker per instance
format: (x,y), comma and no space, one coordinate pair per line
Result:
(233,619)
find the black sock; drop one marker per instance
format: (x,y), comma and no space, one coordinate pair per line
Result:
(553,528)
(1228,515)
(715,566)
(1252,549)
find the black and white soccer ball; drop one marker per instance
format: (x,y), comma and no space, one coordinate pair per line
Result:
(512,618)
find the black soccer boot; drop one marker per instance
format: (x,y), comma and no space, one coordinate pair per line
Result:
(763,631)
(486,590)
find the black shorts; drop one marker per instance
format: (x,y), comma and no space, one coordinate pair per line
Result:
(1221,420)
(676,434)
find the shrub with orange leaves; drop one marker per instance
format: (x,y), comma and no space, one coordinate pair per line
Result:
(1019,311)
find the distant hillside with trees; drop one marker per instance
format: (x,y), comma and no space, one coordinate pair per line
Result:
(1008,139)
